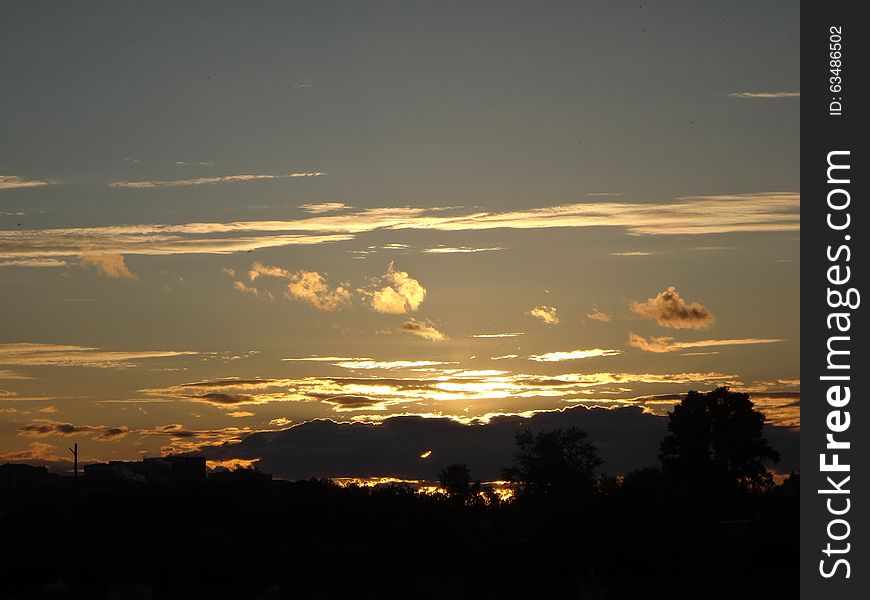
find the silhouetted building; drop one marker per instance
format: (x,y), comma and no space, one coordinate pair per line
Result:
(16,477)
(166,470)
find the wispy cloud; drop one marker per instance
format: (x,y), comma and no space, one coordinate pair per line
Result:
(573,355)
(153,183)
(763,95)
(636,253)
(669,309)
(11,182)
(34,262)
(389,364)
(31,354)
(460,250)
(324,207)
(761,212)
(547,314)
(498,335)
(669,344)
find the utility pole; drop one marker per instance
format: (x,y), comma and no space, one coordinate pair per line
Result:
(75,453)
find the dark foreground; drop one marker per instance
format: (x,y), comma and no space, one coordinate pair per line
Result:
(315,540)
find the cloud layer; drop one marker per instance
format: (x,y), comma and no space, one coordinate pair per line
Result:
(760,212)
(393,447)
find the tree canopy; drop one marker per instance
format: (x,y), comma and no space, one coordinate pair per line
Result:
(716,441)
(554,463)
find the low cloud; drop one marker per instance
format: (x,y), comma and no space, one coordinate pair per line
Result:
(573,355)
(423,329)
(11,182)
(109,265)
(395,293)
(183,439)
(669,344)
(669,309)
(547,314)
(152,183)
(42,428)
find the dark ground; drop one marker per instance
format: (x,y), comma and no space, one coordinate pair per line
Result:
(315,540)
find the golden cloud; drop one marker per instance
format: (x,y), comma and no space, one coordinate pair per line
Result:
(423,329)
(669,309)
(547,314)
(309,286)
(110,265)
(668,344)
(28,354)
(10,182)
(396,293)
(759,212)
(573,355)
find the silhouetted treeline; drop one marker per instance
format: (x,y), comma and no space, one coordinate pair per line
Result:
(570,531)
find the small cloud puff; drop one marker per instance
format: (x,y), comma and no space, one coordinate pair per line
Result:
(423,329)
(547,314)
(669,309)
(310,286)
(397,293)
(597,315)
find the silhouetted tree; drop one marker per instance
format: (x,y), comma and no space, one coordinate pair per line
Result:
(554,463)
(456,482)
(716,442)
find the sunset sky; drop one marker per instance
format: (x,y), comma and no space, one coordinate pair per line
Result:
(225,218)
